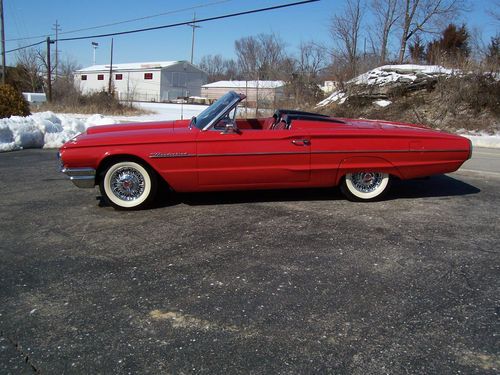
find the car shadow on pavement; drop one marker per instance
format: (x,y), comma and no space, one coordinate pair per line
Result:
(435,186)
(252,196)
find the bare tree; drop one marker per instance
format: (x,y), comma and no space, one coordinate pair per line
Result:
(231,69)
(302,74)
(27,60)
(311,59)
(248,52)
(345,30)
(64,88)
(260,57)
(421,16)
(213,66)
(494,11)
(387,13)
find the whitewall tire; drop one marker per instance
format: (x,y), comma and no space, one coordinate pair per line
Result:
(128,185)
(365,186)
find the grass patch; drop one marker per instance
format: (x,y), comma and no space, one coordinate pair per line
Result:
(99,102)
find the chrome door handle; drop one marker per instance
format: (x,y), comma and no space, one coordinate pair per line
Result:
(301,142)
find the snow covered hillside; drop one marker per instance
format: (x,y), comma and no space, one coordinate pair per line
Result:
(375,90)
(390,74)
(51,130)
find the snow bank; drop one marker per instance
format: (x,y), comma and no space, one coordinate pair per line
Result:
(51,130)
(44,130)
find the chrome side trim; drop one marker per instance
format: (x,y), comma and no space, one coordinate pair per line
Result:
(326,152)
(159,155)
(257,154)
(81,177)
(382,151)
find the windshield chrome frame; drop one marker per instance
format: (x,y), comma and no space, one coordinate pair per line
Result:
(225,111)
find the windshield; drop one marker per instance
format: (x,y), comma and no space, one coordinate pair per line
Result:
(216,110)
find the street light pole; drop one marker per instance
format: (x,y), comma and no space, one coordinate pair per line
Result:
(94,47)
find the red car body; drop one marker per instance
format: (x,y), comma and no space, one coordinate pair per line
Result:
(308,150)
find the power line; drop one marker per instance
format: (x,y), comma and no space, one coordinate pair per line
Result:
(253,11)
(23,47)
(125,21)
(188,22)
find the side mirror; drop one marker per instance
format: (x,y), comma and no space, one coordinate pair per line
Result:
(231,129)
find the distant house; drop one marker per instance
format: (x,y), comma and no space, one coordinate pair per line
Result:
(149,81)
(266,91)
(329,86)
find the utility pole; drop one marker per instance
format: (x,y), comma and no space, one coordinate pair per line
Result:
(193,26)
(49,73)
(57,29)
(111,70)
(3,41)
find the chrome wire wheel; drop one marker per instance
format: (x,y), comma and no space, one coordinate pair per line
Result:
(128,185)
(365,186)
(366,182)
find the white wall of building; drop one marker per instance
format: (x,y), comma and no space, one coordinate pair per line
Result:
(130,82)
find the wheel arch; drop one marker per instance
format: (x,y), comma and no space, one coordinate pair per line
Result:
(116,158)
(366,163)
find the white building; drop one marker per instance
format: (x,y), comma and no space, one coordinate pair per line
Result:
(266,91)
(329,86)
(148,81)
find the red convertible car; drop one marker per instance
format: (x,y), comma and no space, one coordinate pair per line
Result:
(218,151)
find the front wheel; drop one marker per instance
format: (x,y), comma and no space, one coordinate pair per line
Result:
(365,186)
(128,185)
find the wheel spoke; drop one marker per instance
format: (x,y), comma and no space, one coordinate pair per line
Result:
(366,182)
(127,183)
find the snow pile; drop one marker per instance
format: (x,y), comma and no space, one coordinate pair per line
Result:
(382,102)
(484,140)
(50,130)
(44,130)
(387,74)
(390,75)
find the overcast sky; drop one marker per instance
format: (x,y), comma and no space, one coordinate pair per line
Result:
(26,18)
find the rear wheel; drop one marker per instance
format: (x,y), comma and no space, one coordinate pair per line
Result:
(128,185)
(365,186)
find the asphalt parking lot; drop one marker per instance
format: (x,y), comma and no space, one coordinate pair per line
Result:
(288,282)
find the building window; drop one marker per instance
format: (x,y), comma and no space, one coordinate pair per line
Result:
(148,75)
(119,77)
(84,77)
(100,77)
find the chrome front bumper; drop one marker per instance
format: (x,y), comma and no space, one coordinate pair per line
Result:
(81,177)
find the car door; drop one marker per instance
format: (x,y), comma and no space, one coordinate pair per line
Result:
(252,158)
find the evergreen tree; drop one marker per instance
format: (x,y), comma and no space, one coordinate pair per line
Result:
(417,50)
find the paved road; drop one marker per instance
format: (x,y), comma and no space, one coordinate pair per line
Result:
(290,282)
(483,160)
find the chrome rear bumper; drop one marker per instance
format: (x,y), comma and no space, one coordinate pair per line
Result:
(81,177)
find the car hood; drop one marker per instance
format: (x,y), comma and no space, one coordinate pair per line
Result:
(132,133)
(134,126)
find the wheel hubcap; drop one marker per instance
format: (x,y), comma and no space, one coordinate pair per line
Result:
(127,184)
(366,182)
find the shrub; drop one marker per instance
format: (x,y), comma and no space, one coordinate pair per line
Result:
(12,102)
